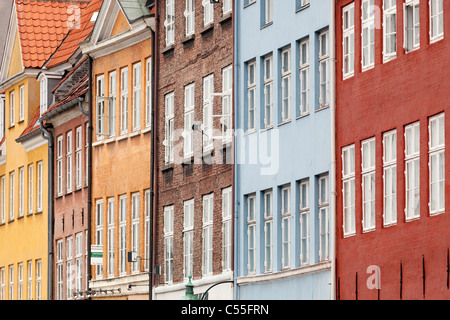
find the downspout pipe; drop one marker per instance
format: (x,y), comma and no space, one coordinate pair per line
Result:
(49,137)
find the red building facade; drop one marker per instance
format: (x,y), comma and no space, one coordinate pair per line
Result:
(392,129)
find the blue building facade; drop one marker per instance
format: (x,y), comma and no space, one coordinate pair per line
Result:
(283,151)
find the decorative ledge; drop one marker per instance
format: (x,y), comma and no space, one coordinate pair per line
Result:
(226,17)
(188,38)
(168,49)
(207,28)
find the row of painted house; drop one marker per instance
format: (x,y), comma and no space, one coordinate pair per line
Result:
(259,150)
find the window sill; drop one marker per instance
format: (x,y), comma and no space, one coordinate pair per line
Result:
(20,217)
(304,115)
(437,213)
(267,128)
(97,143)
(386,59)
(188,160)
(226,17)
(412,50)
(392,224)
(412,219)
(20,121)
(347,76)
(11,126)
(367,68)
(268,24)
(208,27)
(249,4)
(249,132)
(168,49)
(29,214)
(112,139)
(369,230)
(122,137)
(437,39)
(302,8)
(167,166)
(147,129)
(11,220)
(353,234)
(284,122)
(188,38)
(39,212)
(135,133)
(322,108)
(2,224)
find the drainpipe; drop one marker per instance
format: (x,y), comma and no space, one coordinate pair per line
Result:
(333,150)
(89,170)
(49,137)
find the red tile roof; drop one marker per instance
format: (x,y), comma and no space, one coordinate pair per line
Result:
(42,27)
(33,125)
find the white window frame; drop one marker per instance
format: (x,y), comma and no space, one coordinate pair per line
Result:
(324,76)
(100,106)
(268,91)
(20,281)
(148,89)
(12,109)
(169,128)
(251,96)
(147,227)
(135,217)
(189,15)
(285,216)
(22,103)
(389,15)
(169,22)
(124,100)
(348,42)
(2,284)
(286,86)
(43,88)
(137,75)
(348,191)
(268,231)
(168,244)
(436,19)
(304,77)
(207,234)
(412,162)
(78,157)
(251,234)
(30,279)
(208,12)
(367,34)
(122,234)
(59,270)
(208,112)
(111,236)
(99,233)
(30,187)
(38,270)
(39,184)
(69,267)
(59,165)
(69,164)
(268,11)
(12,191)
(11,282)
(227,209)
(21,191)
(324,227)
(304,210)
(112,102)
(227,90)
(368,190)
(189,106)
(2,199)
(188,238)
(436,146)
(390,178)
(411,25)
(78,261)
(227,6)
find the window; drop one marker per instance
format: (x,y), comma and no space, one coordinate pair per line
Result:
(78,159)
(69,268)
(368,34)
(390,178)
(227,6)
(111,233)
(124,101)
(20,281)
(285,227)
(324,81)
(189,104)
(86,152)
(69,161)
(112,104)
(268,233)
(268,91)
(324,232)
(226,228)
(368,183)
(2,199)
(412,171)
(136,96)
(436,20)
(169,23)
(304,77)
(251,95)
(38,279)
(101,130)
(227,90)
(59,165)
(268,11)
(30,188)
(389,29)
(122,234)
(208,12)
(21,103)
(30,276)
(208,110)
(168,244)
(135,229)
(189,14)
(188,238)
(411,17)
(99,233)
(147,205)
(348,43)
(12,191)
(304,222)
(12,109)
(11,282)
(437,163)
(21,191)
(43,95)
(2,117)
(2,284)
(169,128)
(285,85)
(348,189)
(251,233)
(78,260)
(208,209)
(59,270)
(148,88)
(39,186)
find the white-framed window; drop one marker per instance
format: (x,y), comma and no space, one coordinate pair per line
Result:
(38,270)
(324,77)
(251,234)
(251,95)
(101,130)
(304,222)
(189,104)
(368,183)
(30,188)
(411,25)
(389,29)
(286,84)
(324,230)
(11,282)
(226,228)
(78,260)
(208,112)
(169,128)
(135,230)
(30,279)
(86,153)
(148,89)
(112,103)
(39,184)
(21,102)
(436,19)
(2,116)
(436,163)
(286,227)
(69,267)
(368,34)
(69,147)
(2,284)
(168,244)
(188,239)
(12,108)
(268,91)
(189,14)
(59,165)
(227,90)
(136,96)
(169,23)
(412,171)
(20,281)
(2,199)
(43,89)
(147,227)
(348,42)
(78,157)
(59,270)
(268,231)
(99,233)
(390,178)
(300,4)
(122,234)
(208,12)
(207,248)
(268,11)
(124,100)
(21,191)
(304,76)
(111,236)
(348,190)
(12,191)
(227,6)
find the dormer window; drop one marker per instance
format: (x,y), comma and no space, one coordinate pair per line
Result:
(43,94)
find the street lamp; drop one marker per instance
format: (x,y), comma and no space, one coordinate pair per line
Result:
(189,291)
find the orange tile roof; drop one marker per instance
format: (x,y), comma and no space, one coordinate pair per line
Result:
(75,36)
(42,27)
